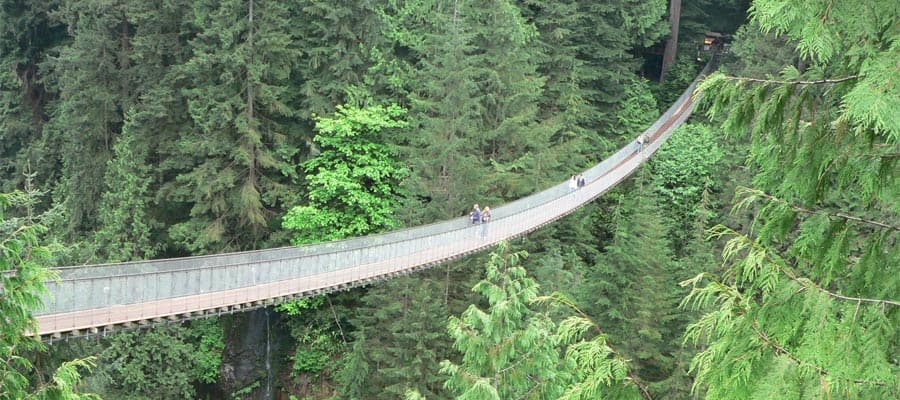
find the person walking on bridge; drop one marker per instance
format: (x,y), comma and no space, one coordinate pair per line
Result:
(485,218)
(573,184)
(642,140)
(475,215)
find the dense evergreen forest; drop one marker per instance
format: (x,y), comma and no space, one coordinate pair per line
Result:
(755,256)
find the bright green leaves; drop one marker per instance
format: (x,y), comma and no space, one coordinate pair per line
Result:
(511,350)
(354,181)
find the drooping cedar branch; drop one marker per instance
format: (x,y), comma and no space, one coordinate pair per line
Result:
(830,214)
(568,303)
(780,82)
(779,349)
(802,281)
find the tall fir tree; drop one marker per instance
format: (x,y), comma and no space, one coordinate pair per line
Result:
(632,291)
(90,75)
(238,95)
(339,42)
(125,228)
(161,114)
(516,149)
(605,37)
(445,108)
(398,339)
(29,34)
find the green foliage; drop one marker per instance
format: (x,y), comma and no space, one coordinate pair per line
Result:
(300,306)
(509,351)
(90,75)
(351,378)
(314,351)
(316,343)
(599,371)
(604,38)
(757,54)
(240,393)
(343,58)
(677,79)
(165,361)
(638,111)
(639,263)
(354,181)
(237,148)
(683,170)
(28,36)
(22,276)
(803,306)
(211,339)
(177,127)
(399,335)
(125,226)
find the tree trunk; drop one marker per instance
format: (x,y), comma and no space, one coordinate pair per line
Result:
(672,43)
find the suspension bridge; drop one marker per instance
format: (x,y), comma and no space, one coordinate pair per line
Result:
(97,299)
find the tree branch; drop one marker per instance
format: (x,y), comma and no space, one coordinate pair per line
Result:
(779,82)
(829,214)
(822,371)
(805,282)
(562,299)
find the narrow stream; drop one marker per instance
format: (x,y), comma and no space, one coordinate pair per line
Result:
(268,392)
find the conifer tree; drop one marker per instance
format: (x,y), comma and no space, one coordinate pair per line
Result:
(339,41)
(90,75)
(29,34)
(240,88)
(517,147)
(125,226)
(22,277)
(806,306)
(556,52)
(445,108)
(683,169)
(509,350)
(637,111)
(605,36)
(398,339)
(632,290)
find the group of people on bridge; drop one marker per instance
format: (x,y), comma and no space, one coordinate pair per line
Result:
(577,182)
(480,217)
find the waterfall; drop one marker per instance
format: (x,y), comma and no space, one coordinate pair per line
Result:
(268,393)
